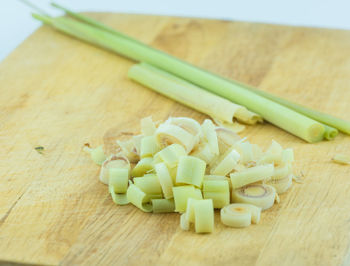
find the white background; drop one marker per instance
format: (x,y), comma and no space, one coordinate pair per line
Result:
(16,23)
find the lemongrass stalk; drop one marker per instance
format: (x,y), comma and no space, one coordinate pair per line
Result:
(190,95)
(332,123)
(279,115)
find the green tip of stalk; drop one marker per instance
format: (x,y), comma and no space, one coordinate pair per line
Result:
(46,19)
(59,7)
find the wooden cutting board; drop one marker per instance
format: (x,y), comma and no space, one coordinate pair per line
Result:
(60,93)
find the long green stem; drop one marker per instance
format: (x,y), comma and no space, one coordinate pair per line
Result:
(283,117)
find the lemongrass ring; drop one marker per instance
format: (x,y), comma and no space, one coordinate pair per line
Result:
(165,180)
(209,132)
(147,126)
(251,175)
(226,164)
(204,216)
(260,195)
(96,154)
(113,161)
(136,196)
(190,171)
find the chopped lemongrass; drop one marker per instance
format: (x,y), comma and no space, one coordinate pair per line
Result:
(190,171)
(167,134)
(203,152)
(210,135)
(136,141)
(142,167)
(188,124)
(184,223)
(149,197)
(287,156)
(251,175)
(259,195)
(119,179)
(281,184)
(149,146)
(190,210)
(147,126)
(235,214)
(218,191)
(129,150)
(165,180)
(113,161)
(182,194)
(281,171)
(341,158)
(120,199)
(191,95)
(204,216)
(171,155)
(136,196)
(226,138)
(235,126)
(245,149)
(226,163)
(148,184)
(163,205)
(96,154)
(277,114)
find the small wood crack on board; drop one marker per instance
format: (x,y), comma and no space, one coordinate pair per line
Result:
(3,219)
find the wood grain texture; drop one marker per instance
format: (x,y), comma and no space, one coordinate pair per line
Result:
(60,93)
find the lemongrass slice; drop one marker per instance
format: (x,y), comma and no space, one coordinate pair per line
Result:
(226,163)
(167,134)
(287,156)
(163,205)
(113,161)
(172,172)
(188,124)
(190,171)
(203,152)
(148,183)
(251,175)
(96,154)
(190,210)
(184,223)
(281,171)
(341,158)
(119,179)
(147,126)
(136,196)
(204,216)
(273,154)
(226,138)
(257,152)
(120,199)
(282,184)
(129,150)
(142,167)
(165,180)
(209,133)
(260,195)
(136,141)
(245,149)
(235,214)
(149,197)
(171,155)
(149,146)
(234,126)
(218,191)
(182,194)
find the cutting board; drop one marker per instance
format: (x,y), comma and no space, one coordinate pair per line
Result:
(60,93)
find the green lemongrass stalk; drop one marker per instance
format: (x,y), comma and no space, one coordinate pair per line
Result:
(283,117)
(330,132)
(331,123)
(189,94)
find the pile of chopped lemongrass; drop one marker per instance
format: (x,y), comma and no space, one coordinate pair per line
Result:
(190,168)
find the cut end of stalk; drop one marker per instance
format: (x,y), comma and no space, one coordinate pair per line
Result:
(316,133)
(330,133)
